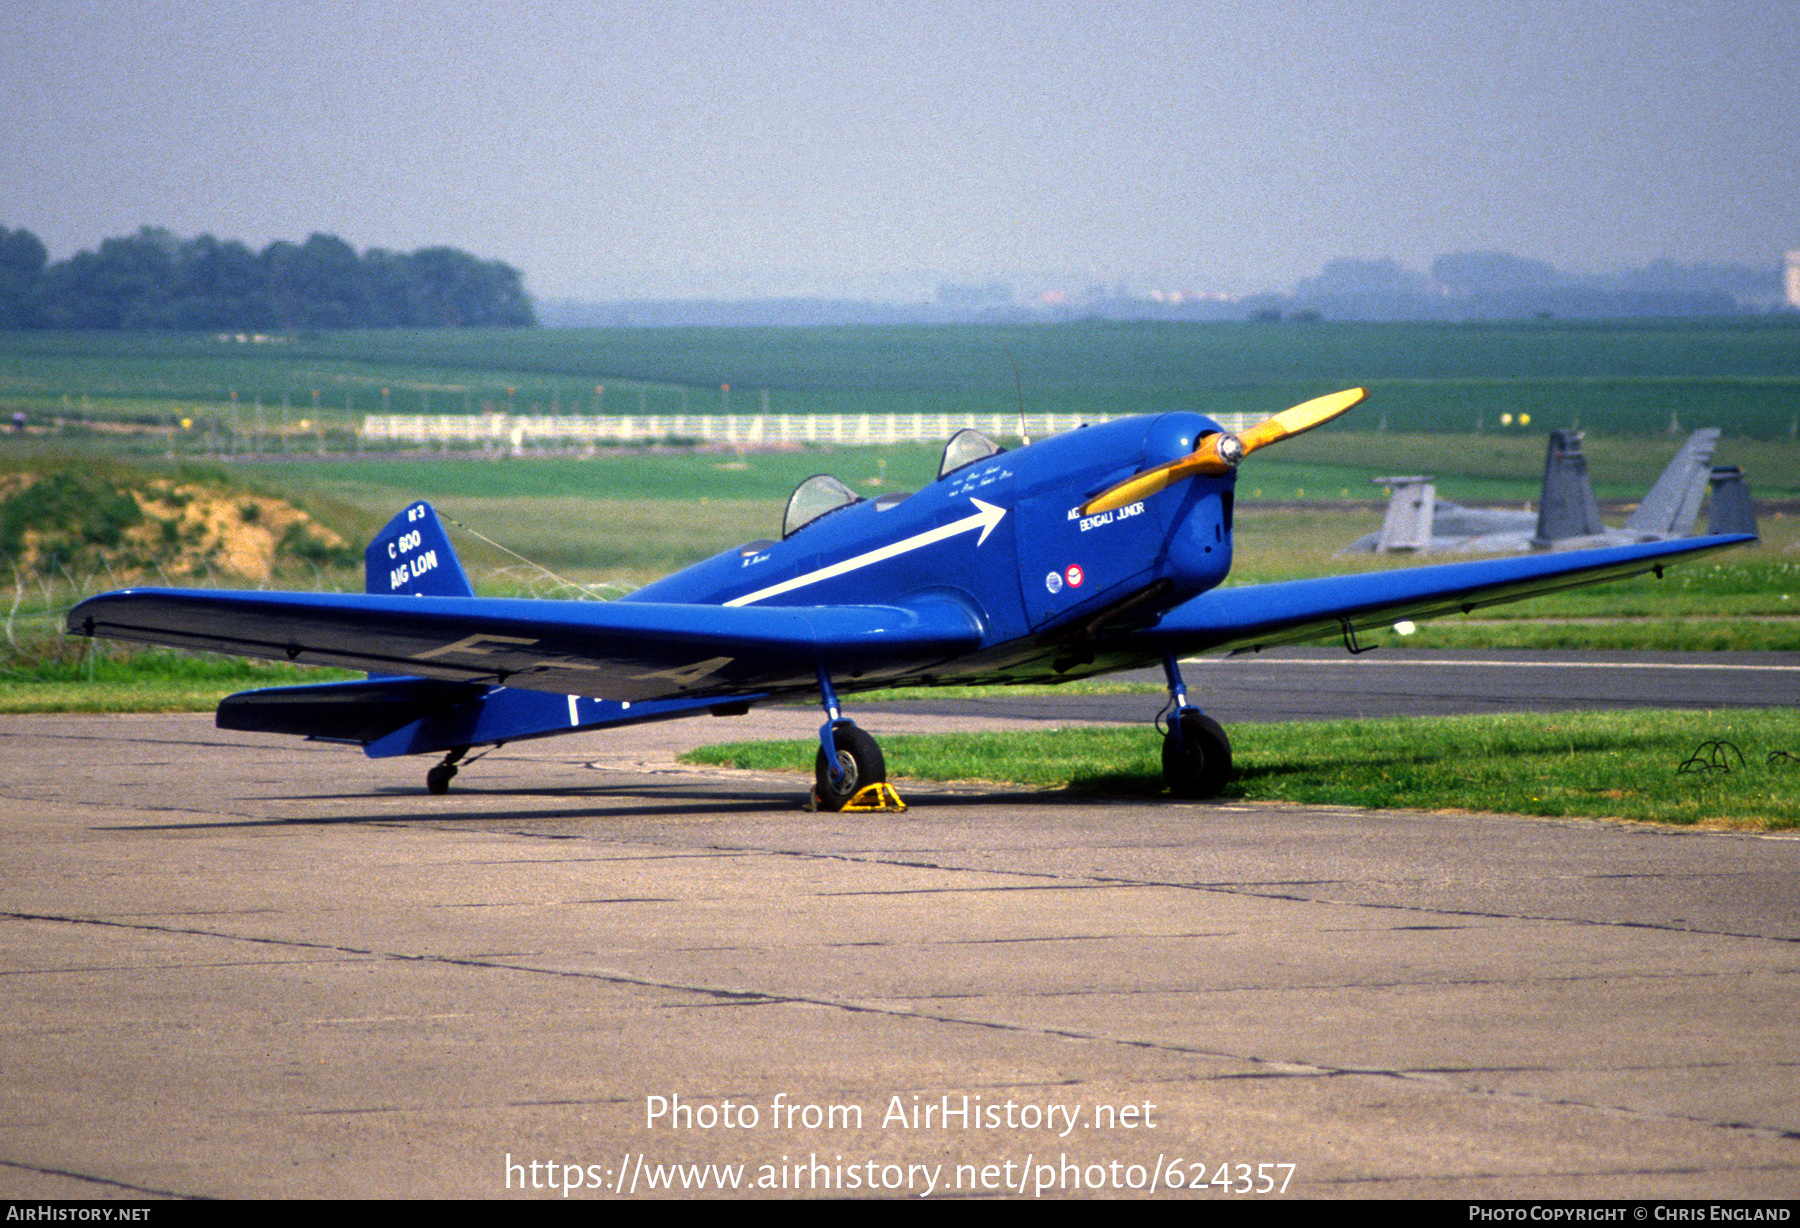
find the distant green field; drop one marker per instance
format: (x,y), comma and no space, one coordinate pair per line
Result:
(1624,378)
(1490,469)
(678,474)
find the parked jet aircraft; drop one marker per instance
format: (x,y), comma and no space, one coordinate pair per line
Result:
(1101,549)
(1568,517)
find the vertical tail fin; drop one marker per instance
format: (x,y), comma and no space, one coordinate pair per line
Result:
(1673,504)
(1732,511)
(1568,507)
(1412,503)
(412,555)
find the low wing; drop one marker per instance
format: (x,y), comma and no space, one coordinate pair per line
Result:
(620,650)
(1260,616)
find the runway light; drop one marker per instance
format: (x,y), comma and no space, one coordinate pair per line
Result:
(1505,419)
(1524,419)
(1405,626)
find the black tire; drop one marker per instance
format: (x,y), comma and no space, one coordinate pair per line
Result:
(1200,763)
(860,760)
(437,780)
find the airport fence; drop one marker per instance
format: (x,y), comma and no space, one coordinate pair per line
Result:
(747,430)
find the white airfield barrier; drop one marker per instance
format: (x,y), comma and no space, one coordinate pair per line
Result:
(751,430)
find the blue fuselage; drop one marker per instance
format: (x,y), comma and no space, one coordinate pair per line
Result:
(1004,539)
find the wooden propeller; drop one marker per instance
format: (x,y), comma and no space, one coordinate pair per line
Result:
(1220,453)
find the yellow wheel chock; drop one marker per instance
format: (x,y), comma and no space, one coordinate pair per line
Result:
(879,797)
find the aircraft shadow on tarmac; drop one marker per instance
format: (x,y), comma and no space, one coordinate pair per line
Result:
(674,799)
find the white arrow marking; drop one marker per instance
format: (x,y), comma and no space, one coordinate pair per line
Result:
(985,518)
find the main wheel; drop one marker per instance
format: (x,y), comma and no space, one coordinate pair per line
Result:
(859,758)
(437,780)
(1199,763)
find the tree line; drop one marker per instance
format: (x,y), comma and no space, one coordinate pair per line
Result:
(157,280)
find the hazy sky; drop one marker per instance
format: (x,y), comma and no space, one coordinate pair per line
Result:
(643,149)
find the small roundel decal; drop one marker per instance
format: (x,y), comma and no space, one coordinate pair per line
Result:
(1074,574)
(1054,581)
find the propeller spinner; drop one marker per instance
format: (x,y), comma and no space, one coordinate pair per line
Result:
(1220,453)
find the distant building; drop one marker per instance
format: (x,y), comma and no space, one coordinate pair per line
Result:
(1790,279)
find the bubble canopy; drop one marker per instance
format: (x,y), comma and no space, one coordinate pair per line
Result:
(818,496)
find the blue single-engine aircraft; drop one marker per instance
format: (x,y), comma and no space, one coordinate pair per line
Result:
(1101,549)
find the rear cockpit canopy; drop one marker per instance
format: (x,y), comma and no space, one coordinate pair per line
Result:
(822,494)
(965,448)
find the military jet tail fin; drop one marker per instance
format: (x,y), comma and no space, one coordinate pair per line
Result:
(1673,504)
(1567,507)
(1731,511)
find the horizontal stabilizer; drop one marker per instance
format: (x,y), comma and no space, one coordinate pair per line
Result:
(407,716)
(508,715)
(343,711)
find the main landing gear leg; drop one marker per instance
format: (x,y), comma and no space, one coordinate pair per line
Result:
(1196,753)
(437,780)
(849,761)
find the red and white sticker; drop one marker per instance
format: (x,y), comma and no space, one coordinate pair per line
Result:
(1074,575)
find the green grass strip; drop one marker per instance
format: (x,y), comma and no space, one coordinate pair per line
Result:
(1614,635)
(156,680)
(1621,765)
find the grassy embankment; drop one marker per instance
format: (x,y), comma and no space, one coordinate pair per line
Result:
(76,524)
